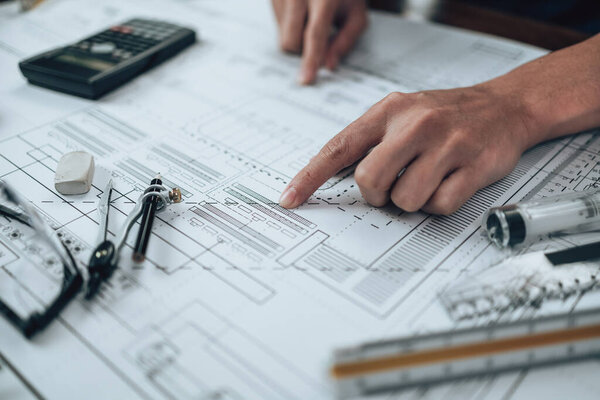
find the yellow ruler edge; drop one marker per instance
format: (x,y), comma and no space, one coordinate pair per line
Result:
(464,351)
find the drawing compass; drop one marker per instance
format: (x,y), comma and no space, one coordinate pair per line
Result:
(105,255)
(103,261)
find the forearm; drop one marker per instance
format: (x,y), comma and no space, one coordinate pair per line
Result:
(559,93)
(433,150)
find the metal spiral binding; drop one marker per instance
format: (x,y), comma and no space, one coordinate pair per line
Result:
(524,281)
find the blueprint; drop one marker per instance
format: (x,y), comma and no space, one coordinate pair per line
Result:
(240,298)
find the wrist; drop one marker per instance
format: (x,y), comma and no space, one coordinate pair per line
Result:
(527,126)
(555,95)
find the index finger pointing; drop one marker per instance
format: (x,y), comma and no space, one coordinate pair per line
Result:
(341,151)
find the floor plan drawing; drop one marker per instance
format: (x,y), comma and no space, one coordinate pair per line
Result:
(240,298)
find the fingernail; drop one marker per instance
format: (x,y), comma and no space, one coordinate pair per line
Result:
(288,197)
(304,78)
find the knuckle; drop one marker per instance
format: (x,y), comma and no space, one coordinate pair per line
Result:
(454,147)
(430,117)
(362,176)
(429,124)
(422,96)
(367,178)
(377,202)
(289,45)
(442,204)
(336,149)
(443,207)
(393,99)
(378,184)
(405,201)
(375,199)
(461,138)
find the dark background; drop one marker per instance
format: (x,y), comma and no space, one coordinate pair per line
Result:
(551,24)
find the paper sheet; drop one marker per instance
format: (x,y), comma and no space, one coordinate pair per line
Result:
(240,299)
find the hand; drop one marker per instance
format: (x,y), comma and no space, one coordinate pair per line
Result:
(305,26)
(431,150)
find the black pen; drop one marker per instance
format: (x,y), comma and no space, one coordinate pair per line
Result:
(148,212)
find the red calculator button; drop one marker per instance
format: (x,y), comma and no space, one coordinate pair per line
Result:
(121,29)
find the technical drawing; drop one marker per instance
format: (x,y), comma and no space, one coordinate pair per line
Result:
(240,298)
(171,354)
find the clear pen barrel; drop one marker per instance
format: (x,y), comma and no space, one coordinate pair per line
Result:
(514,224)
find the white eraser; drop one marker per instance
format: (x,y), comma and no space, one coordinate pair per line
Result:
(74,173)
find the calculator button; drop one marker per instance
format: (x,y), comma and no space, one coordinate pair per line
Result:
(121,29)
(100,38)
(103,47)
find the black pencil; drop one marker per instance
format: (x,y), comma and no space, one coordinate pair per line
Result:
(148,212)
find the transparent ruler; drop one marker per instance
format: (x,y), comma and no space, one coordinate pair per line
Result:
(377,367)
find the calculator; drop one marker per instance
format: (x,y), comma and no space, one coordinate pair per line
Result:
(95,65)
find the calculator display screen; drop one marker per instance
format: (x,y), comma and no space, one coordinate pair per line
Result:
(87,62)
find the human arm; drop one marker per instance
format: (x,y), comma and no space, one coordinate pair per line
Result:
(433,150)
